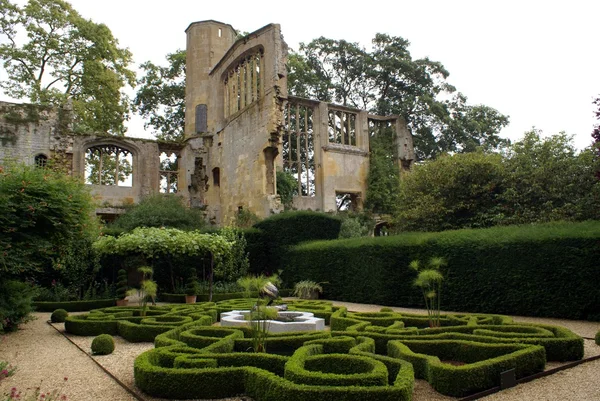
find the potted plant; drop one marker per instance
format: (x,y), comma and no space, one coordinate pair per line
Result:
(307,289)
(122,288)
(191,289)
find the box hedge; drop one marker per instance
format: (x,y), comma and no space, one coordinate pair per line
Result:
(535,270)
(280,231)
(74,306)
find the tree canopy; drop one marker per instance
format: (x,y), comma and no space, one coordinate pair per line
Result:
(46,223)
(161,96)
(387,80)
(538,179)
(52,55)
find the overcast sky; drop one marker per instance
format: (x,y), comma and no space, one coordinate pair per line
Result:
(536,61)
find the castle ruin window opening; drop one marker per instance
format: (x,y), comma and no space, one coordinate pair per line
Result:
(41,160)
(298,146)
(108,165)
(243,84)
(382,129)
(169,172)
(341,127)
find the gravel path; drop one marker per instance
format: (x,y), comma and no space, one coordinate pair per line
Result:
(42,353)
(44,357)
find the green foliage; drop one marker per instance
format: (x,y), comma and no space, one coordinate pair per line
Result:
(473,377)
(47,225)
(104,344)
(52,55)
(153,242)
(254,284)
(307,289)
(122,287)
(383,181)
(160,98)
(597,338)
(536,180)
(15,304)
(429,279)
(245,219)
(355,225)
(451,192)
(283,230)
(73,306)
(148,289)
(531,270)
(387,80)
(549,180)
(59,316)
(192,286)
(160,210)
(287,187)
(234,264)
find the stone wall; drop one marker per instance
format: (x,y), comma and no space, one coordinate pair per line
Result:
(239,128)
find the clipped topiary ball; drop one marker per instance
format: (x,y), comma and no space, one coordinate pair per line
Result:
(59,316)
(598,338)
(104,344)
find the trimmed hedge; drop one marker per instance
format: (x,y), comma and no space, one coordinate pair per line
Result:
(280,231)
(170,373)
(482,368)
(74,306)
(126,322)
(217,297)
(59,316)
(347,363)
(104,344)
(535,270)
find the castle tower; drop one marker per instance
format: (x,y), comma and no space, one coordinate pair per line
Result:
(207,43)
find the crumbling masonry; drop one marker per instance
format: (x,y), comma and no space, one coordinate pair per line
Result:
(240,128)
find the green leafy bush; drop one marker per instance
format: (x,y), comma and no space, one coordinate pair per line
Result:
(532,270)
(47,224)
(597,338)
(15,304)
(161,210)
(104,344)
(59,316)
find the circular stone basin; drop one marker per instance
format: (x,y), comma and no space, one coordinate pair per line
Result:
(300,321)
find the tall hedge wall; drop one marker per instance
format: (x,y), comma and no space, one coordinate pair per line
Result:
(547,270)
(268,244)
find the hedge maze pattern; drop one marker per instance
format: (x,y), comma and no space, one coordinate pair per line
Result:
(374,356)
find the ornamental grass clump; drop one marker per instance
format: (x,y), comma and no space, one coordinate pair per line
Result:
(104,344)
(307,289)
(59,316)
(430,280)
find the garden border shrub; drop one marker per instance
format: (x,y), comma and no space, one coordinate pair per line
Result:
(547,270)
(481,372)
(74,306)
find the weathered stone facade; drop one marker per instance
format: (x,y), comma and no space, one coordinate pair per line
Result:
(241,127)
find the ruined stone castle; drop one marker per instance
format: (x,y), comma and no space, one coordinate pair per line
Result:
(241,126)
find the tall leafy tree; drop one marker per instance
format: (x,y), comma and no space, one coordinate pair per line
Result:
(387,80)
(596,136)
(52,55)
(161,96)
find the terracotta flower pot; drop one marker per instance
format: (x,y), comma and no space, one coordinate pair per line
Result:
(190,299)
